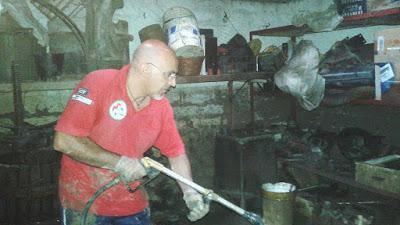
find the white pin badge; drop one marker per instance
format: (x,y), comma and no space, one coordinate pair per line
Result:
(118,110)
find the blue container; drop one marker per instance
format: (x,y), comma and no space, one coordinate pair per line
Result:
(387,76)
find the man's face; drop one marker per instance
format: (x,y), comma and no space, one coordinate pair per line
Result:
(163,78)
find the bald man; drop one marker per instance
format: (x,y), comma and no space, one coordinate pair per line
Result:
(111,120)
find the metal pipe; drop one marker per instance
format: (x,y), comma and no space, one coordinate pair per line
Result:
(230,98)
(245,140)
(18,105)
(241,188)
(252,109)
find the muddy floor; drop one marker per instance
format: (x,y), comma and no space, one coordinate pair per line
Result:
(219,215)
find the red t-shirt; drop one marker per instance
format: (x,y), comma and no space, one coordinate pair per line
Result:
(101,110)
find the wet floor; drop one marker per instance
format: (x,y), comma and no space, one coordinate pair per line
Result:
(219,215)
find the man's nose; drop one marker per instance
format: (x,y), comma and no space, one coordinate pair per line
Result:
(172,82)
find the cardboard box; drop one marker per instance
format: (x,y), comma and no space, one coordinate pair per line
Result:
(382,173)
(387,48)
(376,5)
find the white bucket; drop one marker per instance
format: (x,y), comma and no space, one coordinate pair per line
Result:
(182,32)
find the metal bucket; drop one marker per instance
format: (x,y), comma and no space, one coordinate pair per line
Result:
(153,31)
(182,32)
(278,204)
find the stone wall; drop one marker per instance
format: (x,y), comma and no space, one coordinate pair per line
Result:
(201,110)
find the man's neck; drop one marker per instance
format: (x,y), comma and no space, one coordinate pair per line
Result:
(136,93)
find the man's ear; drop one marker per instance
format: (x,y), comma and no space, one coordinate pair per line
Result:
(145,68)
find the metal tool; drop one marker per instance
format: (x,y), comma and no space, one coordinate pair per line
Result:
(208,193)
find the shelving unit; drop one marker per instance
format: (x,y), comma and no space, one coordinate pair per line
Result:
(230,78)
(389,99)
(222,77)
(384,17)
(376,18)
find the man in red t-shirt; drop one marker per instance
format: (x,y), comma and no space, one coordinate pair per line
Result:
(112,118)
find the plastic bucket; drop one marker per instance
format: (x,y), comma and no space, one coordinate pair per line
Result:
(153,31)
(278,200)
(182,32)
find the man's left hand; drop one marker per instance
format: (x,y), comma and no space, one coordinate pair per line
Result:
(195,202)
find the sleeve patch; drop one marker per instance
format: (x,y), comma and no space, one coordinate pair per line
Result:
(82,99)
(83,92)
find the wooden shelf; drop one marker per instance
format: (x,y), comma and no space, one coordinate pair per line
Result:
(375,102)
(375,18)
(391,98)
(222,77)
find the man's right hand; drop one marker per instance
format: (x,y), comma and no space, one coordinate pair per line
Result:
(130,169)
(196,204)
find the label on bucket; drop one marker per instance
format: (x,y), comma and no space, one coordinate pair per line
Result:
(180,37)
(183,32)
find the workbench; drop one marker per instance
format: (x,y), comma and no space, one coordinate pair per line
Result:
(346,177)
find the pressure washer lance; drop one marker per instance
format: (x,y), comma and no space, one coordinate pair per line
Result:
(154,168)
(208,194)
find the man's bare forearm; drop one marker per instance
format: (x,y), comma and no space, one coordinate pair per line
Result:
(181,165)
(84,150)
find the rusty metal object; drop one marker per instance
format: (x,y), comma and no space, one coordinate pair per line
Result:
(230,105)
(71,25)
(18,105)
(252,107)
(107,41)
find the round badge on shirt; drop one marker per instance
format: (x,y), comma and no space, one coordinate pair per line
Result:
(118,110)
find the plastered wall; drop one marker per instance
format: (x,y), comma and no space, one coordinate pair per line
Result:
(241,16)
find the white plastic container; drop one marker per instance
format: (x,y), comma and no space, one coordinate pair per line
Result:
(182,32)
